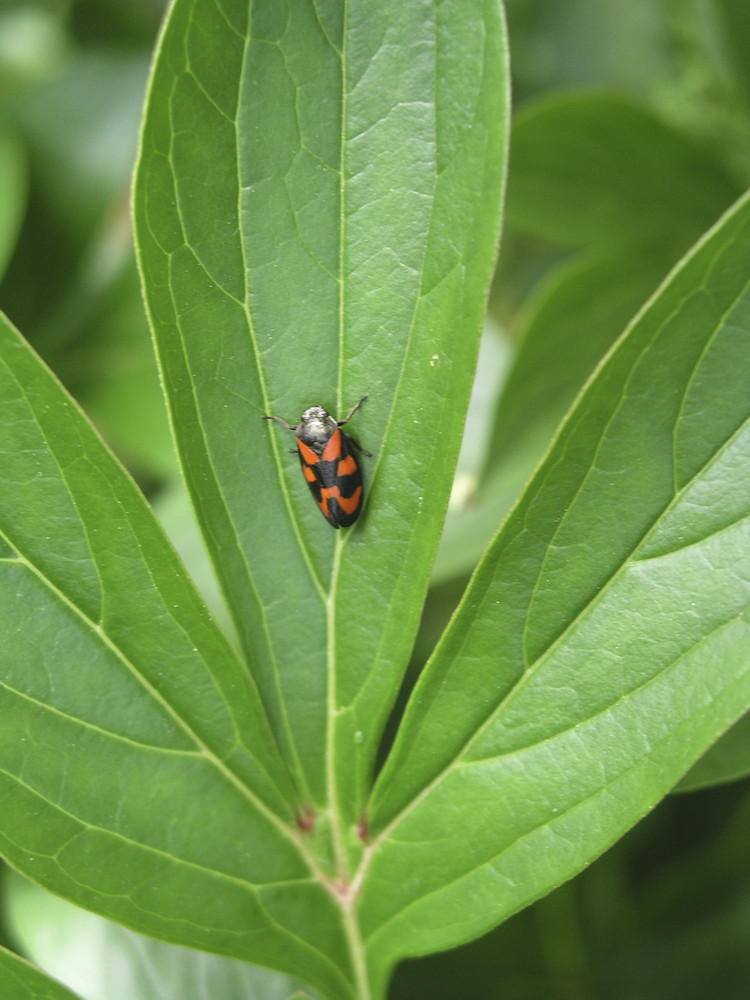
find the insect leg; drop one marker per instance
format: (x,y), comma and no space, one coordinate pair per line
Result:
(359,447)
(351,412)
(278,420)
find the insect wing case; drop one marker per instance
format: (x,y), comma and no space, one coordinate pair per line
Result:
(330,467)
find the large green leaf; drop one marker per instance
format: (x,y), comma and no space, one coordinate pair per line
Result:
(139,776)
(316,207)
(603,643)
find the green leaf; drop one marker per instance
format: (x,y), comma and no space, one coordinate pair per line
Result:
(81,127)
(139,775)
(734,18)
(81,950)
(599,169)
(603,643)
(21,981)
(317,211)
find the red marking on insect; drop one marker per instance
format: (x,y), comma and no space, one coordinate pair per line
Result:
(329,464)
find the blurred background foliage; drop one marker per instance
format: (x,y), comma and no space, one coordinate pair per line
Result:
(631,136)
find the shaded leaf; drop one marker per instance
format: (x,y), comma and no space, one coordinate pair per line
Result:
(13,184)
(727,760)
(81,127)
(597,168)
(735,16)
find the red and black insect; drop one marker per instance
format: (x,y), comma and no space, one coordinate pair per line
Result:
(329,463)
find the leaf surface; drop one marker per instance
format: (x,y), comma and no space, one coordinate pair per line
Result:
(600,169)
(138,774)
(81,949)
(317,211)
(603,643)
